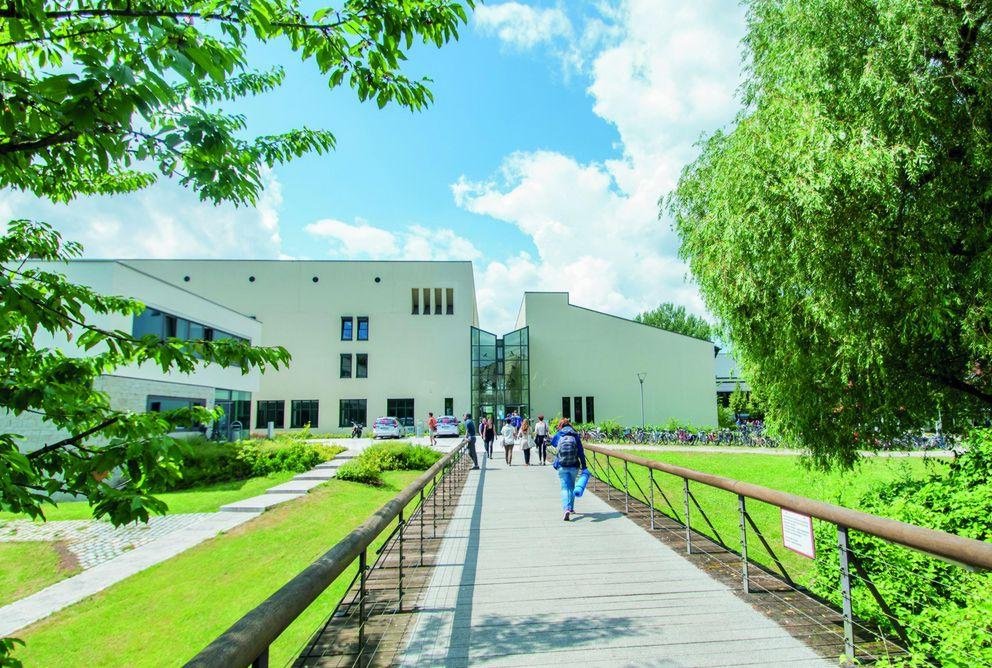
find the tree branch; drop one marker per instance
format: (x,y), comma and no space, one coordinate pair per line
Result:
(12,13)
(73,440)
(961,386)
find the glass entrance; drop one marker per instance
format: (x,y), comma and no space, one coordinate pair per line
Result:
(500,373)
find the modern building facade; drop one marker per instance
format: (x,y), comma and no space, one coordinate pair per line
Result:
(728,378)
(371,339)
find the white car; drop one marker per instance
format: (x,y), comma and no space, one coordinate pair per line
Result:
(387,427)
(447,425)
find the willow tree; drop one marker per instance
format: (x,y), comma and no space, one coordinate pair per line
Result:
(105,97)
(840,228)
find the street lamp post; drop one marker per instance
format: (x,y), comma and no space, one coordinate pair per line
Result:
(640,377)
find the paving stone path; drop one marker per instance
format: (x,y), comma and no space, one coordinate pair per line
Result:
(517,586)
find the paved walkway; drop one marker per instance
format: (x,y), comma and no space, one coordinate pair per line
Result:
(517,586)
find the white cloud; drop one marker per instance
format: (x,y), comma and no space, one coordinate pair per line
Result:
(360,240)
(523,26)
(667,74)
(162,221)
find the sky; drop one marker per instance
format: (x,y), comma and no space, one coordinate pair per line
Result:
(556,129)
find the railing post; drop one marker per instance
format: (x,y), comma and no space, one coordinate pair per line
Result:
(845,590)
(651,485)
(688,528)
(422,509)
(626,493)
(400,526)
(361,605)
(743,513)
(262,661)
(434,513)
(609,485)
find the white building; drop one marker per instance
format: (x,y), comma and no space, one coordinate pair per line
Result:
(369,339)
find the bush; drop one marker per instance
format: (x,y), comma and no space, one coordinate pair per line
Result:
(944,608)
(208,462)
(369,465)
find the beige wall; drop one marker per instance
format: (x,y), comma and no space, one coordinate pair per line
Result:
(579,352)
(423,357)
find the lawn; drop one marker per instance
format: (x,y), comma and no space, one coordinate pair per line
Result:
(30,567)
(166,614)
(206,499)
(781,472)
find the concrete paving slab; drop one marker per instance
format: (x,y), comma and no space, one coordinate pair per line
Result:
(258,504)
(295,486)
(517,586)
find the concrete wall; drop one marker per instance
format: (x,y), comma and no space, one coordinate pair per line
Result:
(580,352)
(423,357)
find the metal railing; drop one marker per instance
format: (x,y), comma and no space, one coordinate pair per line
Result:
(248,640)
(958,550)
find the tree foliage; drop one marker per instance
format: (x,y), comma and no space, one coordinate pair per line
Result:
(840,228)
(676,319)
(105,97)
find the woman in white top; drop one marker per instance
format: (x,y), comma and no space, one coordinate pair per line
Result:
(508,433)
(541,440)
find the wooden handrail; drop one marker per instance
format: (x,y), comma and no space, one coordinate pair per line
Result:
(251,635)
(967,551)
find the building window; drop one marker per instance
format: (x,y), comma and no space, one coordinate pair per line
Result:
(415,297)
(270,411)
(566,407)
(347,325)
(402,410)
(427,301)
(165,325)
(363,328)
(437,301)
(449,406)
(361,365)
(304,413)
(450,304)
(590,409)
(578,410)
(346,365)
(157,404)
(351,411)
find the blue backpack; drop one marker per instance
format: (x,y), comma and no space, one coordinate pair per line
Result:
(568,451)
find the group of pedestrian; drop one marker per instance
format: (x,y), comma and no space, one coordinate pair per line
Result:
(517,431)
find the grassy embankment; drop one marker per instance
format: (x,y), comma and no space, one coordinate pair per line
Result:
(166,614)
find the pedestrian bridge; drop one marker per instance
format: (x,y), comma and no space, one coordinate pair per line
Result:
(476,567)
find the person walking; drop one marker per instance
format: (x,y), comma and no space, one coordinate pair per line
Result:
(568,462)
(509,434)
(432,429)
(488,435)
(523,435)
(470,438)
(541,440)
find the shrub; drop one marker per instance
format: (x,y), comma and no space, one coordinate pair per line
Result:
(361,471)
(944,608)
(207,462)
(369,465)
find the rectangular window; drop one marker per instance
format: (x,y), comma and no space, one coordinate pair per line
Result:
(346,365)
(363,328)
(346,328)
(163,325)
(450,304)
(437,301)
(590,409)
(157,404)
(402,410)
(351,411)
(304,413)
(578,410)
(415,297)
(427,301)
(566,407)
(361,365)
(449,406)
(270,411)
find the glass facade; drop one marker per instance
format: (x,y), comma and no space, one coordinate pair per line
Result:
(237,408)
(500,373)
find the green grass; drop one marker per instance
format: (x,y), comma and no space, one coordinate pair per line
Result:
(206,499)
(163,616)
(781,472)
(29,567)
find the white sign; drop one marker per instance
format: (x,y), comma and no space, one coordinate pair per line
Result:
(797,533)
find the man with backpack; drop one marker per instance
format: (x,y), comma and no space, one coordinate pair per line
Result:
(571,458)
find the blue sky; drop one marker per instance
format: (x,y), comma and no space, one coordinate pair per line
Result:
(557,127)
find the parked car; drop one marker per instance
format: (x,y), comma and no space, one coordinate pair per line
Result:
(387,427)
(447,425)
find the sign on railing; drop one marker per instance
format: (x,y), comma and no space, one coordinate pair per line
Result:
(797,533)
